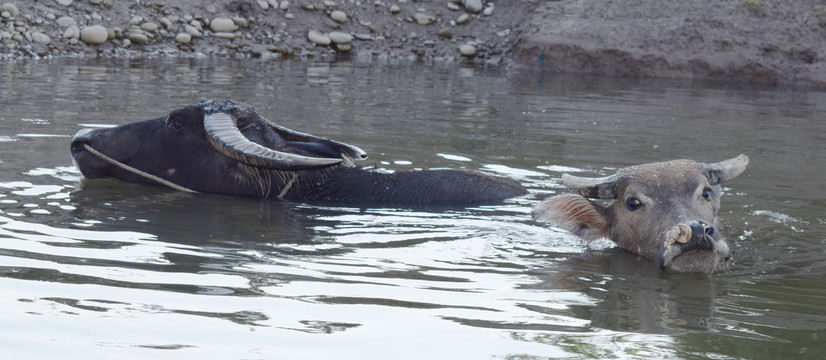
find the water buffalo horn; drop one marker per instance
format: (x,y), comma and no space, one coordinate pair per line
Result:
(595,188)
(726,170)
(222,131)
(293,136)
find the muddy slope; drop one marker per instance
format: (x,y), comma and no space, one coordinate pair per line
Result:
(775,42)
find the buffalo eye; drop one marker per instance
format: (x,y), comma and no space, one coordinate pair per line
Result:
(175,124)
(633,204)
(707,194)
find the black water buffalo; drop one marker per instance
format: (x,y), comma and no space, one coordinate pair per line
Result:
(225,147)
(664,211)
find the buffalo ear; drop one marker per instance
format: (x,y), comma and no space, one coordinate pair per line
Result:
(576,214)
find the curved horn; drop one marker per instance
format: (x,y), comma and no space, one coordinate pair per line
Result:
(296,137)
(596,188)
(223,133)
(726,170)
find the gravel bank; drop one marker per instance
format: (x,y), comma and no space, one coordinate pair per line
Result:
(326,29)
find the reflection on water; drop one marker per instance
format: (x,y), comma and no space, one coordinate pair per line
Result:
(102,268)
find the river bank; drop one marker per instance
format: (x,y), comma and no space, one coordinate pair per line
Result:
(750,40)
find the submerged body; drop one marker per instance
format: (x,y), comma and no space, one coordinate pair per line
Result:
(224,147)
(664,211)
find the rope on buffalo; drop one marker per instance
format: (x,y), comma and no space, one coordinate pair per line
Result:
(138,172)
(287,187)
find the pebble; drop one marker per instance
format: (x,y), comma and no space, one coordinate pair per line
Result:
(192,31)
(473,6)
(463,19)
(64,2)
(183,38)
(467,50)
(167,23)
(72,32)
(11,9)
(452,6)
(263,4)
(488,11)
(395,9)
(284,5)
(338,16)
(137,38)
(95,34)
(222,24)
(150,26)
(339,37)
(65,21)
(424,19)
(40,38)
(318,38)
(224,35)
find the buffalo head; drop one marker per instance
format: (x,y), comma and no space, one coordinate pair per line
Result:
(215,146)
(664,211)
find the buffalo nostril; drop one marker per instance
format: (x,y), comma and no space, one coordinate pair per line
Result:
(709,230)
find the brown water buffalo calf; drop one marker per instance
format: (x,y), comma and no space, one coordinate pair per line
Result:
(665,211)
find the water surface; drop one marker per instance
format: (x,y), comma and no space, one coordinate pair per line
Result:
(94,269)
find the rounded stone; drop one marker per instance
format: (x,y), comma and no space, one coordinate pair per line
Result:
(222,24)
(467,50)
(318,38)
(166,22)
(65,21)
(284,5)
(192,31)
(183,38)
(11,8)
(150,26)
(40,38)
(473,6)
(137,38)
(263,4)
(339,37)
(462,19)
(424,19)
(95,34)
(338,16)
(71,32)
(395,9)
(64,2)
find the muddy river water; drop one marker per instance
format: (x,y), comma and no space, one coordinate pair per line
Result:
(103,269)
